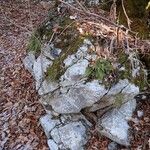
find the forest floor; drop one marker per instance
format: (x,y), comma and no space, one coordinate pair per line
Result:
(19,106)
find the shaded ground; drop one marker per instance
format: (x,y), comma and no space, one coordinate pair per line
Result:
(19,107)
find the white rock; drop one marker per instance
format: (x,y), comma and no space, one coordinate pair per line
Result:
(81,53)
(115,124)
(123,90)
(48,124)
(29,62)
(55,135)
(70,60)
(125,86)
(52,145)
(47,86)
(72,136)
(74,73)
(40,67)
(78,97)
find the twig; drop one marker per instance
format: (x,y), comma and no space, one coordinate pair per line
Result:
(80,5)
(113,11)
(128,20)
(92,14)
(52,37)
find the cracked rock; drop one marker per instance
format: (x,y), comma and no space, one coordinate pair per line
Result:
(52,145)
(78,97)
(74,73)
(70,136)
(66,131)
(47,86)
(117,95)
(114,124)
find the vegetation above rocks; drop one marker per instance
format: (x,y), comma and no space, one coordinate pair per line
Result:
(34,43)
(68,34)
(57,69)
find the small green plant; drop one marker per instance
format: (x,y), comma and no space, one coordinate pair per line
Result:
(34,44)
(99,69)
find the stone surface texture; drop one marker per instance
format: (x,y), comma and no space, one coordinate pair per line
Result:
(78,97)
(67,132)
(115,123)
(64,100)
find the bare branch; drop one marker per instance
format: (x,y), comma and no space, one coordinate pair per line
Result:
(128,20)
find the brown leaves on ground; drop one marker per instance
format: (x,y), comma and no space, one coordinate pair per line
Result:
(141,130)
(19,106)
(97,142)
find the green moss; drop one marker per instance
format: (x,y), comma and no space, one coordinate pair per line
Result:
(99,70)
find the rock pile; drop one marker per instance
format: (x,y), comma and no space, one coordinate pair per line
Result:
(66,99)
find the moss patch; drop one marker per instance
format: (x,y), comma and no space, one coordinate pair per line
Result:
(57,69)
(99,70)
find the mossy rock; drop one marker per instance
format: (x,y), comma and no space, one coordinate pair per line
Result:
(139,79)
(57,69)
